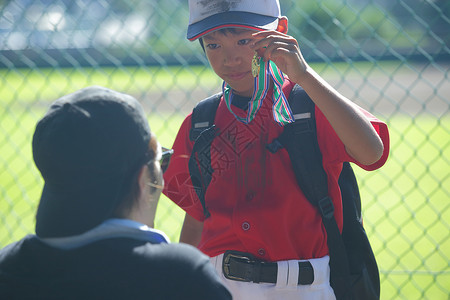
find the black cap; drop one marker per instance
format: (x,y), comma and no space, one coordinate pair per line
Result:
(88,147)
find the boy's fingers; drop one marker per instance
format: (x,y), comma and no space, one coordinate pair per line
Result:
(262,34)
(263,42)
(272,41)
(264,38)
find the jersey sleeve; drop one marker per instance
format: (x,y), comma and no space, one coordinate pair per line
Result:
(178,186)
(383,132)
(333,150)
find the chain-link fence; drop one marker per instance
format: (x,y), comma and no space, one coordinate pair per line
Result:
(389,56)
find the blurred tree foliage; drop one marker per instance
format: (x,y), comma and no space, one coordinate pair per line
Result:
(337,20)
(325,28)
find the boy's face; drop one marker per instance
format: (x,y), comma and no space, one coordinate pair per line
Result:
(230,57)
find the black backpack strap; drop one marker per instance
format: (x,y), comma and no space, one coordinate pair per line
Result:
(300,140)
(203,132)
(203,115)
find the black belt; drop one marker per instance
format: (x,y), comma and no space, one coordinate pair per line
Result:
(241,266)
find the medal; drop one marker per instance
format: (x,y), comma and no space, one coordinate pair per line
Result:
(255,65)
(264,73)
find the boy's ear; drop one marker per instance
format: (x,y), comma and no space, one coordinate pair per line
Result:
(282,24)
(142,178)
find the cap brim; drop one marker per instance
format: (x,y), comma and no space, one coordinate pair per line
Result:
(66,212)
(231,19)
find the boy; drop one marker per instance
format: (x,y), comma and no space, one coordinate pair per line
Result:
(255,205)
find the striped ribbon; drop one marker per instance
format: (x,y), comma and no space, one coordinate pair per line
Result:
(281,110)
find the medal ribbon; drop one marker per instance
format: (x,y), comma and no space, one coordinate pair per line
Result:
(281,110)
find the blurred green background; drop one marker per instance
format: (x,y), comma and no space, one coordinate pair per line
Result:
(390,57)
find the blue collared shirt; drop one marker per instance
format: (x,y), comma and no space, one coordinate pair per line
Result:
(111,228)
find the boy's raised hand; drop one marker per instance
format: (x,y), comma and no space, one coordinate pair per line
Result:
(349,122)
(283,50)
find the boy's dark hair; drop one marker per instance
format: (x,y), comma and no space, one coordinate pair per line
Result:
(223,31)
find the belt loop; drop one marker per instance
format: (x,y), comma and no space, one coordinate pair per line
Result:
(306,272)
(217,262)
(282,274)
(257,272)
(293,272)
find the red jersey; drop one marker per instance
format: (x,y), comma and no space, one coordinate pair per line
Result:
(255,203)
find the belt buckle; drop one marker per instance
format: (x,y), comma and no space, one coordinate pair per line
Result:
(229,255)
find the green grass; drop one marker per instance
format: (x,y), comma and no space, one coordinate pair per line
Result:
(25,85)
(406,210)
(405,203)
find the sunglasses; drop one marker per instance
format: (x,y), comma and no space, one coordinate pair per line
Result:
(165,158)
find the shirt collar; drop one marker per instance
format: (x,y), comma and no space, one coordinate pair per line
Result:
(111,228)
(240,101)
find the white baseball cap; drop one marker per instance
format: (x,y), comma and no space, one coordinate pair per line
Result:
(208,16)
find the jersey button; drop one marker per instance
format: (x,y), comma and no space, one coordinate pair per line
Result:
(262,252)
(245,226)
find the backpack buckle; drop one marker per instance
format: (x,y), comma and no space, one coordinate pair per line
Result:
(326,207)
(302,125)
(206,136)
(274,146)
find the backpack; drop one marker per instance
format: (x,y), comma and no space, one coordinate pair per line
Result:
(353,269)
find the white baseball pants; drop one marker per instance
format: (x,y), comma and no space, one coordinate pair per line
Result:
(286,287)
